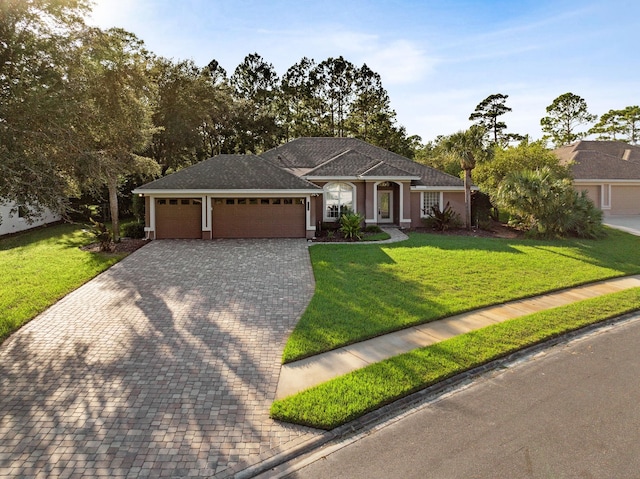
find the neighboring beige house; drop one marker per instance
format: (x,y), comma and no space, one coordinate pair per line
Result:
(13,219)
(609,171)
(289,190)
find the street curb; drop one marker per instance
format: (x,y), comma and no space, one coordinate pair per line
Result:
(428,395)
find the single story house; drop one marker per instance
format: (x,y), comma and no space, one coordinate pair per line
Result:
(291,189)
(13,218)
(609,171)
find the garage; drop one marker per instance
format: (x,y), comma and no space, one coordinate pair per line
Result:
(259,218)
(625,200)
(179,218)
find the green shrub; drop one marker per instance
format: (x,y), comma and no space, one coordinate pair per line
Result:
(372,229)
(133,230)
(547,206)
(102,234)
(350,226)
(442,220)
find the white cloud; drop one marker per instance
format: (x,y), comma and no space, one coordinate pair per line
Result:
(116,13)
(400,62)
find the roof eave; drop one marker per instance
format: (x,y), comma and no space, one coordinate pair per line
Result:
(599,181)
(249,192)
(441,188)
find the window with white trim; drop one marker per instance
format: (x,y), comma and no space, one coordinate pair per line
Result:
(338,199)
(430,199)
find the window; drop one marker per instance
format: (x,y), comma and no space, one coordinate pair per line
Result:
(231,201)
(253,201)
(338,199)
(288,201)
(264,201)
(185,202)
(218,201)
(242,201)
(162,202)
(430,199)
(275,201)
(173,202)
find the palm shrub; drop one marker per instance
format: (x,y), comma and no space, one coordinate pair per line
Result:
(547,206)
(442,220)
(102,234)
(350,225)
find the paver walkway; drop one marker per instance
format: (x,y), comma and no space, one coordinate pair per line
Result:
(163,366)
(300,375)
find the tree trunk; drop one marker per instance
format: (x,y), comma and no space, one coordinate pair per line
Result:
(467,198)
(112,185)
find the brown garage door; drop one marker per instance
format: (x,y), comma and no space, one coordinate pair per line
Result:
(178,218)
(259,218)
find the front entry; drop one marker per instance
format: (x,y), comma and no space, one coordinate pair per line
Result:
(385,206)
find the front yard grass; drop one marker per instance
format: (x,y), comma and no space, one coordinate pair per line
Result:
(39,267)
(368,290)
(348,397)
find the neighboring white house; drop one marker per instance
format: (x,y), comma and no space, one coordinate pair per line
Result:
(13,222)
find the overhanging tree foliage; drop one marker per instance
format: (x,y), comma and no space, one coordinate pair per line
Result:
(117,101)
(37,104)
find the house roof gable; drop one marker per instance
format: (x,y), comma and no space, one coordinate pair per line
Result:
(310,153)
(231,172)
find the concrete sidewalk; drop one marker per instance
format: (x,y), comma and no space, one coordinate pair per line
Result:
(300,375)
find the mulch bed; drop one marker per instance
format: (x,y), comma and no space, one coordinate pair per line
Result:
(126,245)
(495,230)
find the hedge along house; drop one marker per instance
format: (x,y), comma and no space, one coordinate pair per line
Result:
(609,171)
(290,190)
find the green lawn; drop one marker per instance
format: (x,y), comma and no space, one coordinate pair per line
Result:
(40,267)
(368,290)
(348,397)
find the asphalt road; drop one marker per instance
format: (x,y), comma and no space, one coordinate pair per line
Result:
(572,411)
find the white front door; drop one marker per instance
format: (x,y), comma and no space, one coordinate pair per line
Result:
(385,206)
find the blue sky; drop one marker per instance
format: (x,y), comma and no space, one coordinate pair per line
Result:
(437,59)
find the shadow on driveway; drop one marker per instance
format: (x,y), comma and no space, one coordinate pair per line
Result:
(164,365)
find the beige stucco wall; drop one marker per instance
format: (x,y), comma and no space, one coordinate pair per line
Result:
(455,200)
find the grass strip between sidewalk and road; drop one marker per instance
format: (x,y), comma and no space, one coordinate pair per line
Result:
(349,397)
(41,266)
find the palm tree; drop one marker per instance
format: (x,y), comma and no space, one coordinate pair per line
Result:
(467,147)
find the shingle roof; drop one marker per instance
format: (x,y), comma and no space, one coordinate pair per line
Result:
(308,153)
(231,172)
(353,163)
(601,160)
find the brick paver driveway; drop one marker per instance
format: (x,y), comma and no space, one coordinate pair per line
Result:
(163,366)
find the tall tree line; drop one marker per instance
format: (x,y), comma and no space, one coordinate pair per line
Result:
(84,109)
